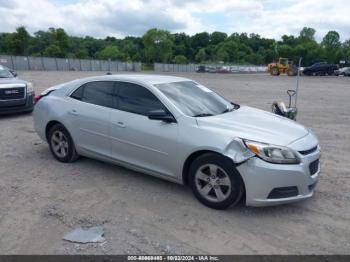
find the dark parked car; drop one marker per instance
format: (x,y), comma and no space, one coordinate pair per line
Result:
(15,95)
(320,69)
(201,69)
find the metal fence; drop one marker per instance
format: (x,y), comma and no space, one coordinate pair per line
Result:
(66,64)
(193,67)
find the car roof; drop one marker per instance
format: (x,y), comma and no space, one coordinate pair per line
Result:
(138,78)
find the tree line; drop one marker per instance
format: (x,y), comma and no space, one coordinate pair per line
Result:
(158,45)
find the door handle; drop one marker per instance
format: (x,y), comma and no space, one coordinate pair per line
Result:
(74,112)
(120,124)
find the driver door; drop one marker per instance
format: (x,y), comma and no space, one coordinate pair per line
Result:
(137,140)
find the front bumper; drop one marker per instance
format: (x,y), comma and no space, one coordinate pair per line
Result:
(261,178)
(17,106)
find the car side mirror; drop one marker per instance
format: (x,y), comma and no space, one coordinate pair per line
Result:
(162,115)
(235,106)
(14,73)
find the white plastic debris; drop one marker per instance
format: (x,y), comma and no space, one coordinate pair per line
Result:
(90,235)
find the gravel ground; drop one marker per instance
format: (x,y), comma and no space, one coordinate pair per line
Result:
(42,199)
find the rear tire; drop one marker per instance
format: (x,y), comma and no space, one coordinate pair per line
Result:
(275,71)
(215,181)
(61,144)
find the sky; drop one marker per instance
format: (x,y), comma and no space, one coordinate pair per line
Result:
(120,18)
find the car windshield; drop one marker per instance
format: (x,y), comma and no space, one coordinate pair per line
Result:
(5,73)
(194,99)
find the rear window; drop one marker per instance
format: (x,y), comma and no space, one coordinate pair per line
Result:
(98,93)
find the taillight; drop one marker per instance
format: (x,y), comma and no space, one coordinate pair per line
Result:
(36,99)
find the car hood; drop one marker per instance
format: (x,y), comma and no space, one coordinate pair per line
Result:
(254,124)
(4,82)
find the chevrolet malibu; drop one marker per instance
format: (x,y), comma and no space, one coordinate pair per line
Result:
(180,130)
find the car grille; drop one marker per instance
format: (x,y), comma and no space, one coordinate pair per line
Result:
(12,93)
(313,167)
(309,151)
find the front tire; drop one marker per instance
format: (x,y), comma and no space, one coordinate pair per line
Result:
(275,71)
(61,144)
(215,181)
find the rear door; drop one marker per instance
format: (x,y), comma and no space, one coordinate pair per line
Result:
(89,115)
(135,139)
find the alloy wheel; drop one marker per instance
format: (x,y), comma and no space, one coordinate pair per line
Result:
(59,143)
(213,183)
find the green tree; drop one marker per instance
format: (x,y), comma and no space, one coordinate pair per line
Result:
(233,51)
(157,45)
(82,53)
(54,51)
(227,51)
(180,59)
(5,43)
(200,40)
(93,45)
(182,45)
(217,37)
(131,46)
(346,49)
(308,33)
(290,40)
(201,56)
(61,38)
(111,52)
(161,46)
(222,55)
(19,41)
(332,45)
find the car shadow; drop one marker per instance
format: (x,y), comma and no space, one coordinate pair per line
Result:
(115,174)
(14,115)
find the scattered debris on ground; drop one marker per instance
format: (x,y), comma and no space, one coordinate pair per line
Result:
(90,235)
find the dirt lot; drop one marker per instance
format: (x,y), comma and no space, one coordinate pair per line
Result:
(42,199)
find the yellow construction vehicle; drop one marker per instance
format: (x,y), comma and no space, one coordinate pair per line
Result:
(284,65)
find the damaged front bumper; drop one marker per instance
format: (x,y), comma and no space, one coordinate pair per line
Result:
(271,184)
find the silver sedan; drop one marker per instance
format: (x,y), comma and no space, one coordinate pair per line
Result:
(180,130)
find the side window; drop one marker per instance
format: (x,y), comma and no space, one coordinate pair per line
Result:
(78,93)
(137,99)
(99,93)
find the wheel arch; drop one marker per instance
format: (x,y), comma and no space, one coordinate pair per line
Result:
(49,125)
(194,155)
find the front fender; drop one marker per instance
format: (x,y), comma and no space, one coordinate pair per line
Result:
(237,151)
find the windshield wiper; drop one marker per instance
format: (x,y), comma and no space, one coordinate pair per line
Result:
(227,110)
(203,114)
(230,109)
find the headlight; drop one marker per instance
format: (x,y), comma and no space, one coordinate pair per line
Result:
(272,153)
(30,87)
